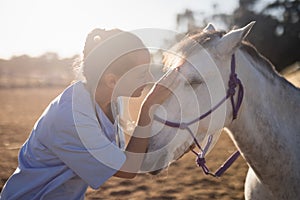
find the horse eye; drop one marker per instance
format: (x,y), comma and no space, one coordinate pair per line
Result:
(195,81)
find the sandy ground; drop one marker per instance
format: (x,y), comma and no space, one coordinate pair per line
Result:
(20,108)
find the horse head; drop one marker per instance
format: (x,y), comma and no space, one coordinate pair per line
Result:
(203,60)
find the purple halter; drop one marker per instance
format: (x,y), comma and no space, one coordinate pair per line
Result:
(233,82)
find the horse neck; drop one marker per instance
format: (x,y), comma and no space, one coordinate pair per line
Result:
(266,131)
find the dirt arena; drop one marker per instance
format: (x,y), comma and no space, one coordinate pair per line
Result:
(21,107)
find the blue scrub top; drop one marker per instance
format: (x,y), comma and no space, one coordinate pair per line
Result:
(67,151)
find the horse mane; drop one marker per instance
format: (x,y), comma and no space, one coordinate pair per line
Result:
(192,41)
(268,68)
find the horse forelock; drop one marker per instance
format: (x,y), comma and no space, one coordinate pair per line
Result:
(192,41)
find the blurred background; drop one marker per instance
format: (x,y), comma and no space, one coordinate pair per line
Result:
(39,40)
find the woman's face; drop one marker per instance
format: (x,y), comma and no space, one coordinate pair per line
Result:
(132,82)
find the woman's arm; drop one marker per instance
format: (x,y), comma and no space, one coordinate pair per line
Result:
(137,146)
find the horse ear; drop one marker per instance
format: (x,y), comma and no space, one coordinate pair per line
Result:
(232,39)
(209,28)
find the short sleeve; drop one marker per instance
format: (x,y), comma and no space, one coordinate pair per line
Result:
(88,152)
(78,140)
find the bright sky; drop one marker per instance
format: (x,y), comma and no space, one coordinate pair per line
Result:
(34,27)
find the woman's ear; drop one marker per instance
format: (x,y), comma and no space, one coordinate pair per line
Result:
(110,80)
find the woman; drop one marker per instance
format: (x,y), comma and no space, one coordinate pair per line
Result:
(75,143)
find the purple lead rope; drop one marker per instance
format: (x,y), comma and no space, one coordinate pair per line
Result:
(233,82)
(201,162)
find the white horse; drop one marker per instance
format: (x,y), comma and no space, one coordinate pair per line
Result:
(267,128)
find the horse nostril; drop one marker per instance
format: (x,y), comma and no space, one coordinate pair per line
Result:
(192,146)
(155,172)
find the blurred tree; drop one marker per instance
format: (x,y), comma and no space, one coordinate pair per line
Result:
(45,70)
(185,21)
(276,33)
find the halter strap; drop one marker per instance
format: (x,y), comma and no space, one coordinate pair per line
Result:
(233,82)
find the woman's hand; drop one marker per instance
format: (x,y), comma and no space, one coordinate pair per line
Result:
(157,95)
